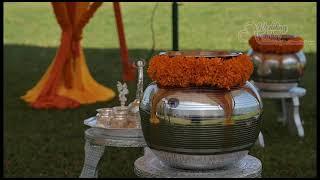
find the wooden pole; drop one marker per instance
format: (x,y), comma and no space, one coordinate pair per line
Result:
(127,70)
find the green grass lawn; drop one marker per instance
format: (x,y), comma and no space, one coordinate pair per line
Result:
(50,143)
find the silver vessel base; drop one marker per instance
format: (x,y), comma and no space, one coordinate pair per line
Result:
(149,166)
(198,162)
(274,86)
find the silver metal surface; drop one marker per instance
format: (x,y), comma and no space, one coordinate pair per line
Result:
(116,132)
(96,141)
(275,86)
(97,136)
(93,154)
(199,162)
(293,92)
(134,105)
(290,107)
(201,53)
(183,106)
(260,140)
(271,70)
(149,166)
(192,122)
(104,117)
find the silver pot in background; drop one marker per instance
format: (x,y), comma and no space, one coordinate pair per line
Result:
(277,72)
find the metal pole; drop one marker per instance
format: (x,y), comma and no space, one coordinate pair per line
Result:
(175,39)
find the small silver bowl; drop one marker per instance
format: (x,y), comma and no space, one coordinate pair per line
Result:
(104,117)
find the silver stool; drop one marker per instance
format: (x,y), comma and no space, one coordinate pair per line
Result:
(96,141)
(290,108)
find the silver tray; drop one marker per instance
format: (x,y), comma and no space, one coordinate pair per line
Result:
(119,132)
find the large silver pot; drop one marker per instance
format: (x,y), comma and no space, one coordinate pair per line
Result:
(277,72)
(193,131)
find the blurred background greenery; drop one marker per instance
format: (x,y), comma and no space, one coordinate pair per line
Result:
(50,143)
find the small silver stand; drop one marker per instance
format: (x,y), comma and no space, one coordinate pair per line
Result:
(149,166)
(290,108)
(95,146)
(98,138)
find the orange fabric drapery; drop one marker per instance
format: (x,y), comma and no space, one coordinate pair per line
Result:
(128,71)
(67,83)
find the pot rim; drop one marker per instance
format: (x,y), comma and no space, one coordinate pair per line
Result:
(204,88)
(202,53)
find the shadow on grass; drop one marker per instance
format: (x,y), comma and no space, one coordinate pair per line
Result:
(50,143)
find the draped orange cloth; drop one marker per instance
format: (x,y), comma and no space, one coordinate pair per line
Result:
(128,71)
(67,83)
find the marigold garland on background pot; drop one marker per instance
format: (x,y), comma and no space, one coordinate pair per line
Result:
(278,44)
(186,71)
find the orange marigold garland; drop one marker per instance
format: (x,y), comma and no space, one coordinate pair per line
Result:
(182,71)
(279,44)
